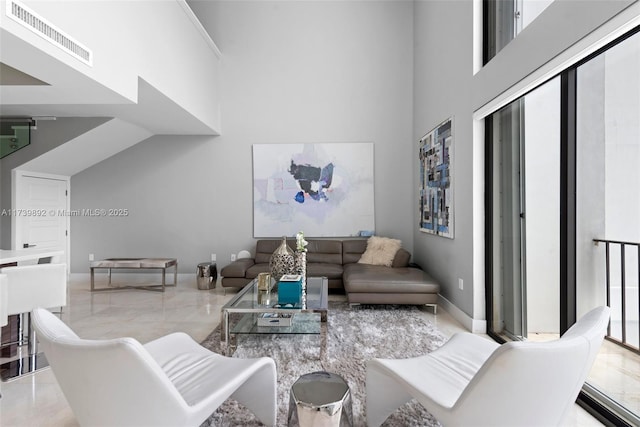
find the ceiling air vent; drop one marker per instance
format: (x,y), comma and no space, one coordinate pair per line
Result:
(28,18)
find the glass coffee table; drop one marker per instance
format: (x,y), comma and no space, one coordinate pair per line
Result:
(241,315)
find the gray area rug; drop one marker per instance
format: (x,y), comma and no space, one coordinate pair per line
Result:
(353,337)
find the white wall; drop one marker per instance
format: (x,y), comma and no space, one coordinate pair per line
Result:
(47,136)
(168,186)
(443,88)
(445,85)
(330,72)
(151,39)
(291,72)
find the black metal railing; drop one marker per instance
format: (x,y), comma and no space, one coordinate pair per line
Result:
(623,341)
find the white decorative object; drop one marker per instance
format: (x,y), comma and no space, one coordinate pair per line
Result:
(244,254)
(380,251)
(301,244)
(301,257)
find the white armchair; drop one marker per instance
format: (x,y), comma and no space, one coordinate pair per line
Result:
(171,381)
(471,380)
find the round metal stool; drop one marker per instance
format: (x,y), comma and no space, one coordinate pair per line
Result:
(320,399)
(206,275)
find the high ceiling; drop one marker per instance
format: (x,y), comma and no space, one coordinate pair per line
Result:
(34,83)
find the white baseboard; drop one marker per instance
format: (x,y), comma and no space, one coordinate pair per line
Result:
(476,326)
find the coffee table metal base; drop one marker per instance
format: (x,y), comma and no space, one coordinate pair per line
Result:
(309,318)
(135,263)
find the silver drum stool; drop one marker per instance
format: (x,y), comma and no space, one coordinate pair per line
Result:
(320,399)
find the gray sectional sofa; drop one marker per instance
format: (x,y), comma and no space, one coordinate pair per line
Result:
(401,283)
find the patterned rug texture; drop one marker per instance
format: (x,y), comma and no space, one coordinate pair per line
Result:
(353,337)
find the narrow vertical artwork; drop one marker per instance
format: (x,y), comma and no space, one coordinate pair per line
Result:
(436,186)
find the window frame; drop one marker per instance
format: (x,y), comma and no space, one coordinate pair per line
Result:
(568,208)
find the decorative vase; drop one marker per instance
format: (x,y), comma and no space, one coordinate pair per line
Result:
(264,282)
(301,266)
(282,261)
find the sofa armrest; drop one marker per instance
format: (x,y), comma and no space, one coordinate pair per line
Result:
(237,268)
(401,259)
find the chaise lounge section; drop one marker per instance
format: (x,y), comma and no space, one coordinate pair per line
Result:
(338,260)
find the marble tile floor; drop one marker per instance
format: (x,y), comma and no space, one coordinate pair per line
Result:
(36,399)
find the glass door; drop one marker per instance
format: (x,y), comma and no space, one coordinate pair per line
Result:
(508,260)
(607,217)
(525,201)
(563,209)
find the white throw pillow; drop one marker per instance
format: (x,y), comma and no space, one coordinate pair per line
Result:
(380,251)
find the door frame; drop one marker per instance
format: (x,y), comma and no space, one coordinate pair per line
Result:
(17,179)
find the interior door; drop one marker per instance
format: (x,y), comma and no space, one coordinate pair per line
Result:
(41,204)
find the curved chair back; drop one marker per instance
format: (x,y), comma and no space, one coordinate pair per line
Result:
(109,382)
(31,286)
(533,382)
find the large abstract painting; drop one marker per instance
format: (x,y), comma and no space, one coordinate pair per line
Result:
(436,185)
(325,189)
